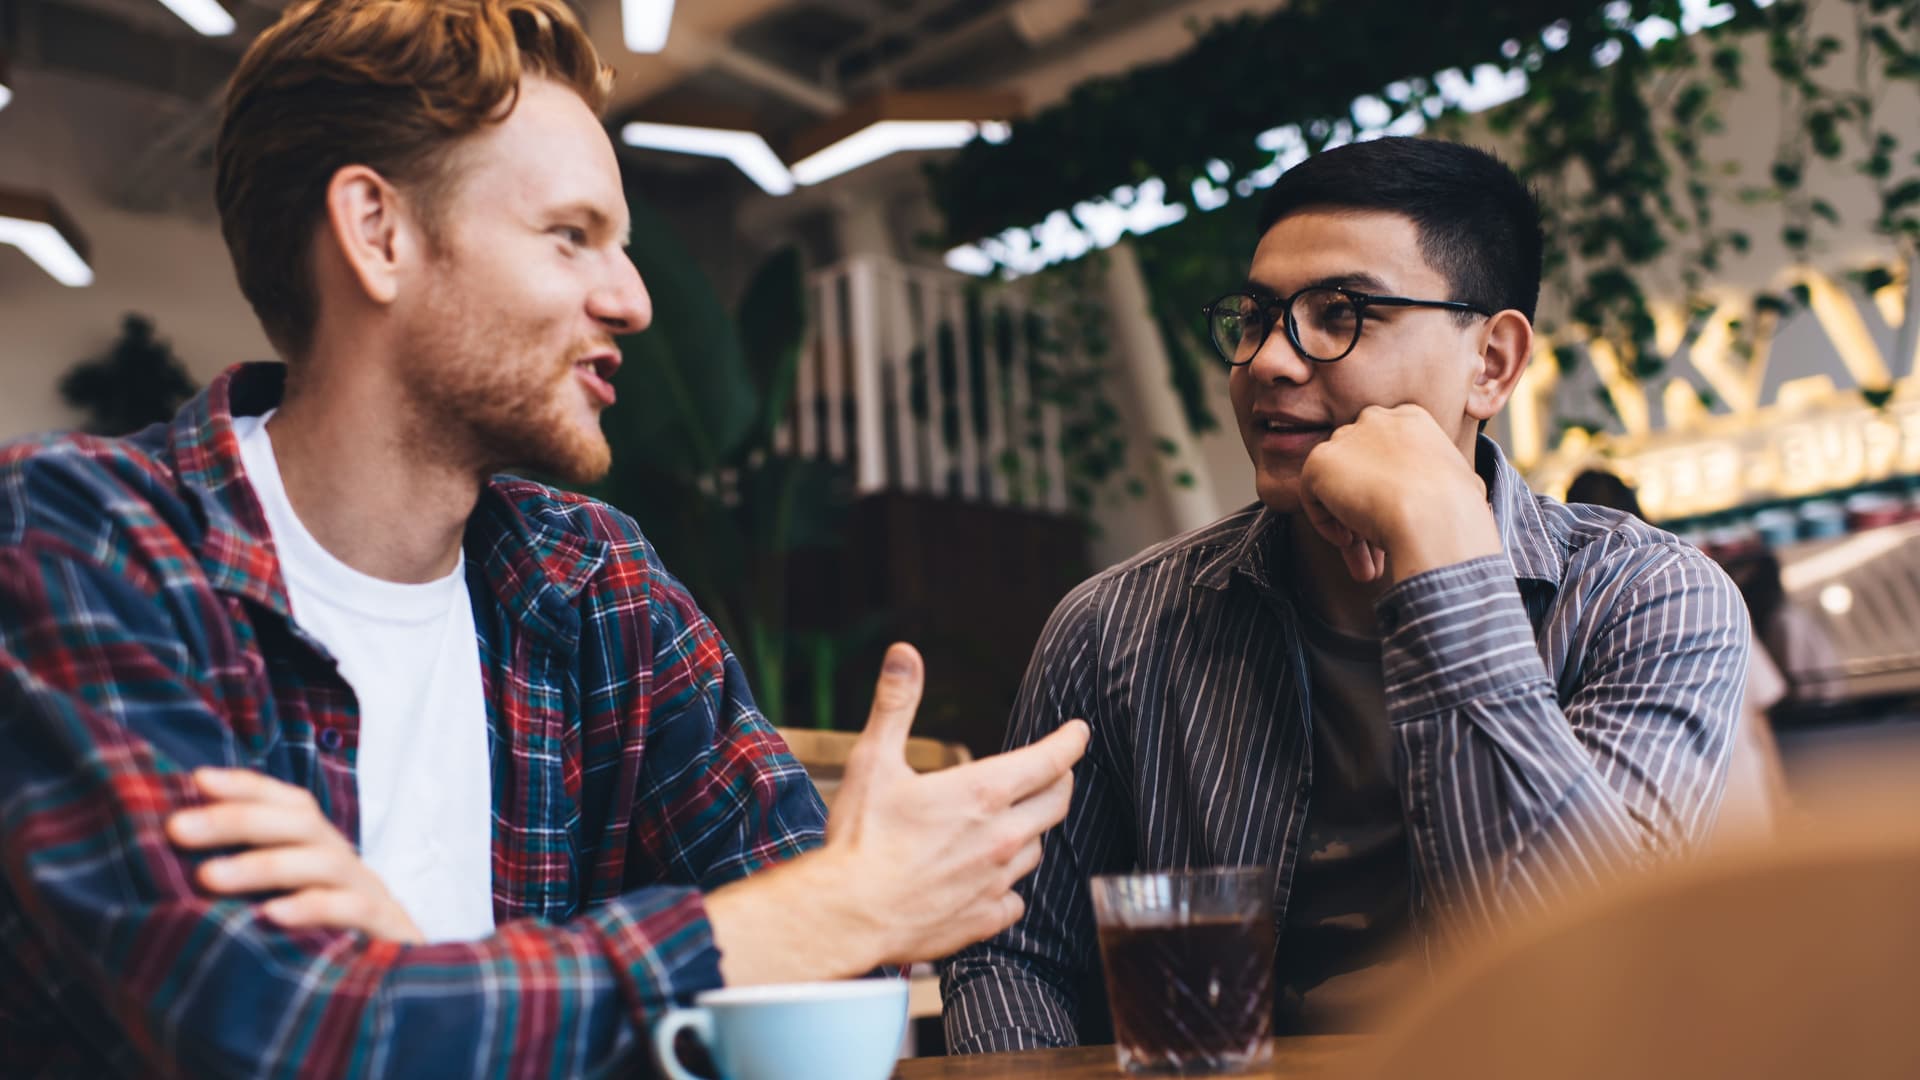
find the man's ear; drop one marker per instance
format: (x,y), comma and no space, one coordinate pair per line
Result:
(367,223)
(1506,345)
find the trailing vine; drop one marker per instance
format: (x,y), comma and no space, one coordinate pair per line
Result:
(1612,129)
(1834,116)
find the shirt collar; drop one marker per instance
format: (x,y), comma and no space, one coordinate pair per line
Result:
(1524,537)
(1529,544)
(536,569)
(1247,554)
(236,549)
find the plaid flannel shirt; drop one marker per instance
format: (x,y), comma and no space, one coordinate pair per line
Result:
(145,630)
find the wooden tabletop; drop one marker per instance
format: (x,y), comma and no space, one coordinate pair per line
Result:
(1304,1058)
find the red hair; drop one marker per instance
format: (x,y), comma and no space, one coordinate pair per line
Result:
(390,84)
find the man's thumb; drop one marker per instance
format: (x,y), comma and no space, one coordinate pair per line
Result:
(896,697)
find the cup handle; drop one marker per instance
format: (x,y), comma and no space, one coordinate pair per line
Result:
(700,1021)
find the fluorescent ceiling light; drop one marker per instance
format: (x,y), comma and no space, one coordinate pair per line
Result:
(747,150)
(882,139)
(6,83)
(36,225)
(207,16)
(645,23)
(6,95)
(969,259)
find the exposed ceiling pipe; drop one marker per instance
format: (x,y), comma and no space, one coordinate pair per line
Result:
(930,51)
(769,76)
(1040,21)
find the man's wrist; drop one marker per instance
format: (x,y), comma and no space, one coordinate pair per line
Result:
(843,914)
(1441,533)
(800,921)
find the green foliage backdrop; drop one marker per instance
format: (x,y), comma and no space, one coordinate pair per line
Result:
(1613,131)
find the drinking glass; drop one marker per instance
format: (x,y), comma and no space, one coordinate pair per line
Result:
(1189,965)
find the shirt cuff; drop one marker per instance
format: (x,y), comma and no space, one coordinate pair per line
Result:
(661,946)
(1456,635)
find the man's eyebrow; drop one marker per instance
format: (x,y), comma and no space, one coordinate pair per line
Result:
(1357,280)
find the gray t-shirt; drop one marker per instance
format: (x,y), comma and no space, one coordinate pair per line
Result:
(1349,905)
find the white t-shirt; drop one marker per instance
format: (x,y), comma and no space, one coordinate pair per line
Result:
(412,657)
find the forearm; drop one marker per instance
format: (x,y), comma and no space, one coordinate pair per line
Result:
(1438,533)
(795,922)
(207,988)
(1511,797)
(97,899)
(995,1000)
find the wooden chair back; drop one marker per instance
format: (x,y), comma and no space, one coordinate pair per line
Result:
(1794,961)
(824,753)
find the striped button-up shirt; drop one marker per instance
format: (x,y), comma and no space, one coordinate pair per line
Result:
(1558,711)
(145,630)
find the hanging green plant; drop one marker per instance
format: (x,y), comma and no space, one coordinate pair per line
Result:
(1611,130)
(136,382)
(1306,62)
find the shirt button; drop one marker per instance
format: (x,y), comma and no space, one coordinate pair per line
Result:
(330,739)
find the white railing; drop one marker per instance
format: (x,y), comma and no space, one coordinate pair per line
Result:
(875,334)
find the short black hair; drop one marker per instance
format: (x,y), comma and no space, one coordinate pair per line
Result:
(1599,487)
(1479,225)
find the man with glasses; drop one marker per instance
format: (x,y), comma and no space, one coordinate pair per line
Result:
(1426,697)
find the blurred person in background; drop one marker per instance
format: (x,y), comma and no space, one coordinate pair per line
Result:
(1800,651)
(1756,787)
(326,748)
(1431,700)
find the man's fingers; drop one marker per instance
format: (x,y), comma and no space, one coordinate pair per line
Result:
(1041,811)
(895,699)
(343,909)
(244,824)
(245,784)
(1017,774)
(1024,863)
(1324,523)
(333,909)
(1359,562)
(1012,906)
(277,869)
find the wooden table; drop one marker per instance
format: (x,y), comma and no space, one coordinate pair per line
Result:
(1304,1058)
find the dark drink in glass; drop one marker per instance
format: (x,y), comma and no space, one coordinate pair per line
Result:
(1189,966)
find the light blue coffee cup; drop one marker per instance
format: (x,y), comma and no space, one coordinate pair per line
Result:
(805,1031)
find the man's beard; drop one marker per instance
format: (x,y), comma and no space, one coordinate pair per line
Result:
(482,400)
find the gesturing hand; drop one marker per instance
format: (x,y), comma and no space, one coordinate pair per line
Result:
(915,865)
(292,849)
(939,853)
(1393,493)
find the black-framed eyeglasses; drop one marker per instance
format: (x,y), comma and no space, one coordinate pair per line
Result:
(1323,322)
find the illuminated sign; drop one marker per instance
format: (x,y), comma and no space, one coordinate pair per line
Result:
(1811,437)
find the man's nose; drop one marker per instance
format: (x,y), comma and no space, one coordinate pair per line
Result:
(621,304)
(1277,360)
